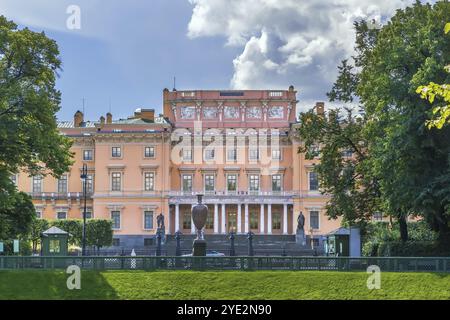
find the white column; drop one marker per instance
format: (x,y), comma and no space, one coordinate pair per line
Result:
(269,219)
(246,218)
(239,219)
(192,221)
(177,217)
(261,220)
(216,218)
(223,219)
(285,219)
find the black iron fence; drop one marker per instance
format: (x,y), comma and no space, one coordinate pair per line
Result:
(394,264)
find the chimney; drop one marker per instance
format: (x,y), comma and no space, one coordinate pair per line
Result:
(320,108)
(291,88)
(78,119)
(109,118)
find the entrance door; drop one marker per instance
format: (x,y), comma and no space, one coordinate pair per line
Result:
(232,221)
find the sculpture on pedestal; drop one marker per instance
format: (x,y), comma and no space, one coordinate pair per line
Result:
(300,237)
(161,228)
(199,215)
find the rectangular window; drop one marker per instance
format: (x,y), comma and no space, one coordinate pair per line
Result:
(210,220)
(54,246)
(187,155)
(88,214)
(254,182)
(89,184)
(87,155)
(275,94)
(115,217)
(149,152)
(61,215)
(209,154)
(314,219)
(187,220)
(254,220)
(116,242)
(14,179)
(116,152)
(116,181)
(232,183)
(209,182)
(62,184)
(38,215)
(378,216)
(276,182)
(37,184)
(148,220)
(253,154)
(276,221)
(149,181)
(231,154)
(187,182)
(313,181)
(276,154)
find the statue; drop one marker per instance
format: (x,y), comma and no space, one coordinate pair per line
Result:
(300,237)
(301,222)
(160,221)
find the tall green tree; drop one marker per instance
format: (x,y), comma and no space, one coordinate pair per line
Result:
(411,161)
(99,233)
(29,139)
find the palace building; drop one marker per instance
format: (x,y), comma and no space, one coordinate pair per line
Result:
(238,148)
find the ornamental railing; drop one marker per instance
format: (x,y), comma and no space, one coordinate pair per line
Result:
(386,264)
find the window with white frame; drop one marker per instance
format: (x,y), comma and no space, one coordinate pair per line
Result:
(88,213)
(37,184)
(116,152)
(148,220)
(89,184)
(314,219)
(62,184)
(232,154)
(88,155)
(14,179)
(253,154)
(187,182)
(149,181)
(116,181)
(209,182)
(276,154)
(254,182)
(149,152)
(187,154)
(313,181)
(38,214)
(276,182)
(61,215)
(209,154)
(232,182)
(378,216)
(115,217)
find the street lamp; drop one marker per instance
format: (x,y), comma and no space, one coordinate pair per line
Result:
(84,181)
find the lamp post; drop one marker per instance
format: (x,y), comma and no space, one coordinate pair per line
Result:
(84,181)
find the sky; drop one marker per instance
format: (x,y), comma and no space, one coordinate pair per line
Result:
(119,55)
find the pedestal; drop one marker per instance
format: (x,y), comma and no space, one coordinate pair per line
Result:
(162,232)
(199,248)
(300,238)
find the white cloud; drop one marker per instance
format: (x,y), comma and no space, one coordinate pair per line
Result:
(285,42)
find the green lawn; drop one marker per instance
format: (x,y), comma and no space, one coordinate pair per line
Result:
(222,285)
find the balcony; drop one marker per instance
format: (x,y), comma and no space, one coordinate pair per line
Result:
(59,196)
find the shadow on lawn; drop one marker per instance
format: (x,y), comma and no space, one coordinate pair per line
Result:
(44,285)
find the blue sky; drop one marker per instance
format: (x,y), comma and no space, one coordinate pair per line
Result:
(127,52)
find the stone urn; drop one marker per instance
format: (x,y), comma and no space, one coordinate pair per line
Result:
(199,215)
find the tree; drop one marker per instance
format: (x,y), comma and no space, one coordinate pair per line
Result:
(38,226)
(411,161)
(99,233)
(29,139)
(433,90)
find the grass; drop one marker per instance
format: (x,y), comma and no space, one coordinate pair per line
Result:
(234,285)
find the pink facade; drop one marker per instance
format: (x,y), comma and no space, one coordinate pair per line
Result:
(239,148)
